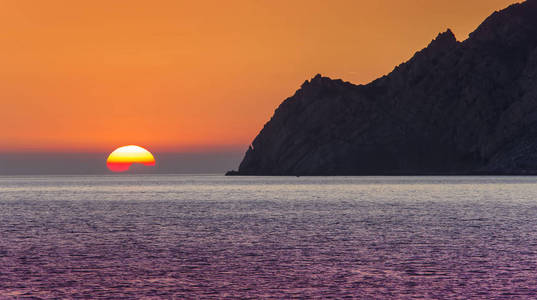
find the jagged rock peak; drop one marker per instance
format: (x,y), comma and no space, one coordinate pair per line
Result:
(316,79)
(445,39)
(319,81)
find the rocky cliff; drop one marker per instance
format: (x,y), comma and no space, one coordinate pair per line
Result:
(454,108)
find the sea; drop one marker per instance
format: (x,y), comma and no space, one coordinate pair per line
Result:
(211,236)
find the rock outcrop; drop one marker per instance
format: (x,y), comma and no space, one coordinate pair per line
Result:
(454,108)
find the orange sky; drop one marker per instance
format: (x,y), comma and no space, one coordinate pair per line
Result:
(192,75)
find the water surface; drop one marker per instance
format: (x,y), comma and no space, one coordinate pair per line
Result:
(268,237)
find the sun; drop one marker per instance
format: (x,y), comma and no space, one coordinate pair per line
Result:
(122,158)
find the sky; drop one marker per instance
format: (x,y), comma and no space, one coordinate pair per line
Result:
(192,77)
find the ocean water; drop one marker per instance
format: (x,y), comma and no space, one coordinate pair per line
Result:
(268,237)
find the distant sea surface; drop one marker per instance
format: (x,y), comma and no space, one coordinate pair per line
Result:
(267,237)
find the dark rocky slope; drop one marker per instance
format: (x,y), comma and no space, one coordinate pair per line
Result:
(454,108)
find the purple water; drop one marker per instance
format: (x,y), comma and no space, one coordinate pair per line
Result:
(259,237)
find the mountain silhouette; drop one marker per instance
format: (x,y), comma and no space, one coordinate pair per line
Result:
(454,108)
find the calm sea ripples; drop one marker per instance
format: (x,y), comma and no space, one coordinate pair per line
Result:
(261,237)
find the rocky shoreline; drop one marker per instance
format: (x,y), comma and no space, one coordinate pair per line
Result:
(467,108)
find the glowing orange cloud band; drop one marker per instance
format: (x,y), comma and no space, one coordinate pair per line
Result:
(123,157)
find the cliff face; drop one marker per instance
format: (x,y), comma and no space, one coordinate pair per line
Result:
(454,108)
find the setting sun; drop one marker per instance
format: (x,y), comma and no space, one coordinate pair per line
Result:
(122,158)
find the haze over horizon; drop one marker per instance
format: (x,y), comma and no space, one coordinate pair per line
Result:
(182,77)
